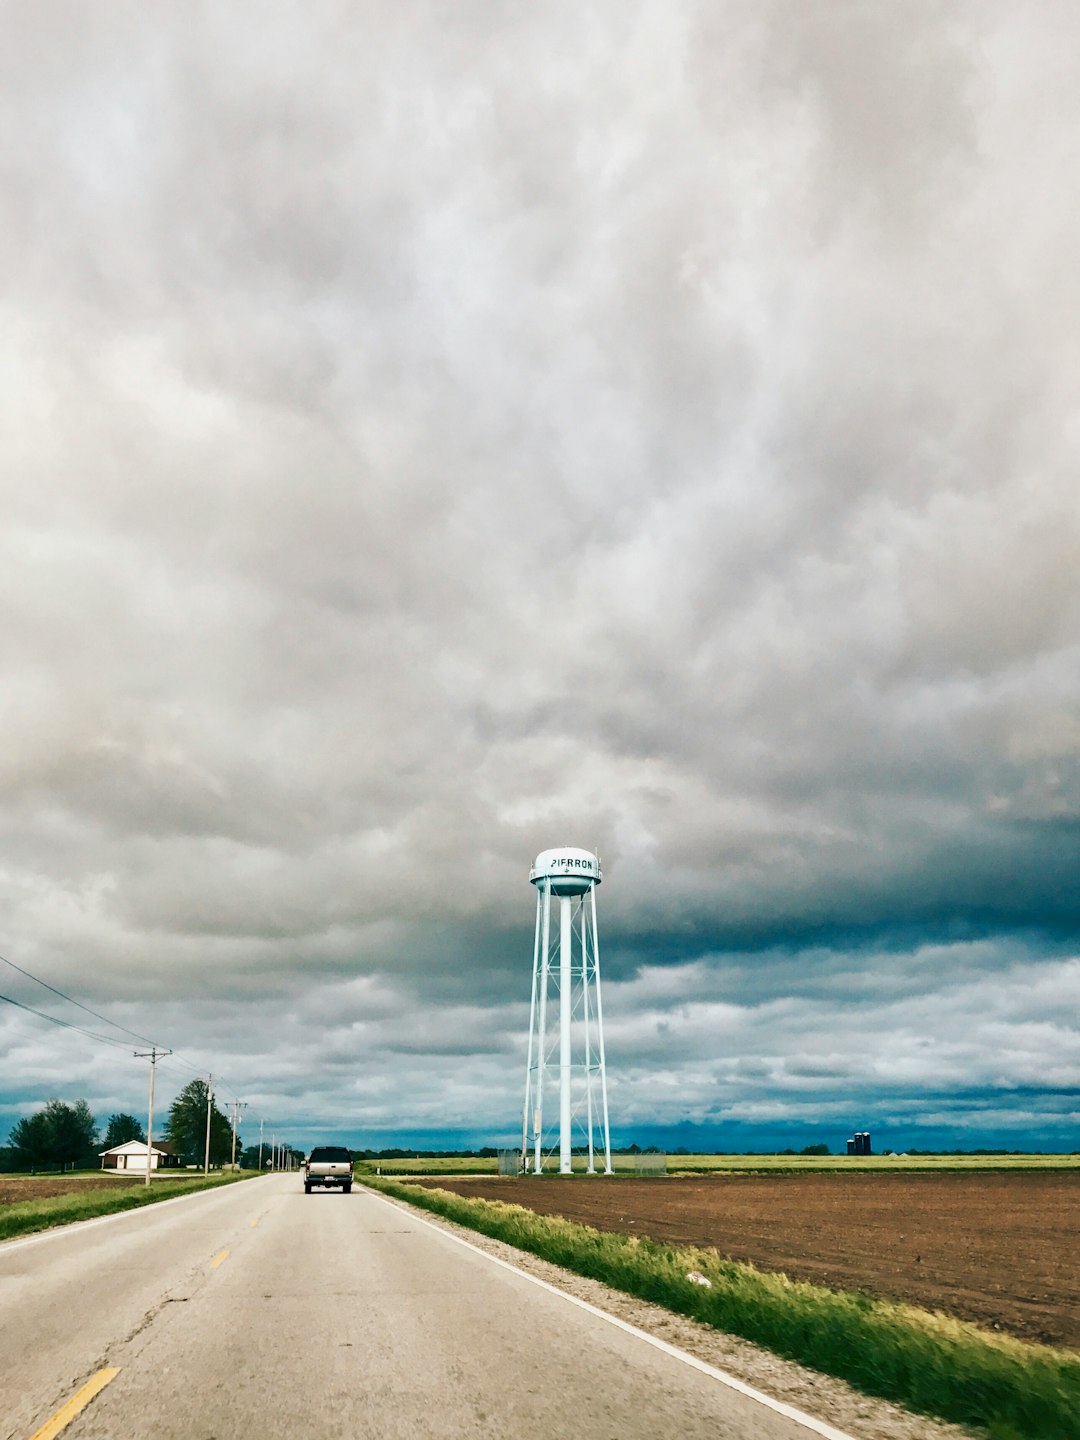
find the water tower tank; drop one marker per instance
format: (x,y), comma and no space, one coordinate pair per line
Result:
(568,870)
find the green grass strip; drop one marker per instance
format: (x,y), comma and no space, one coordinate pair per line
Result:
(925,1361)
(26,1216)
(627,1168)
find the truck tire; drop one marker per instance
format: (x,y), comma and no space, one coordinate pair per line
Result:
(346,1188)
(307,1188)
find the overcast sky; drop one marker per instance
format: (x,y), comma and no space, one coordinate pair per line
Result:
(430,433)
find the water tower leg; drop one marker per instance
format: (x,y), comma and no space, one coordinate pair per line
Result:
(525,1116)
(566,955)
(591,1169)
(600,1033)
(545,950)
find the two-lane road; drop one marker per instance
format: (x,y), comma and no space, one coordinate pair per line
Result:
(259,1311)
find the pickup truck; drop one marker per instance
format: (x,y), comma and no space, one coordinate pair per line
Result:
(328,1165)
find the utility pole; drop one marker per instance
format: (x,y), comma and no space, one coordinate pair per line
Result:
(238,1105)
(153,1055)
(209,1108)
(260,1144)
(273,1153)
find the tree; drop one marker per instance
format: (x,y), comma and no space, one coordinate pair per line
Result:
(123,1128)
(30,1142)
(74,1133)
(185,1129)
(58,1136)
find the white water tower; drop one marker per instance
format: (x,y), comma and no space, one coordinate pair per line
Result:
(566,965)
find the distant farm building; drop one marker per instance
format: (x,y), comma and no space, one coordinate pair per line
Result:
(859,1144)
(132,1156)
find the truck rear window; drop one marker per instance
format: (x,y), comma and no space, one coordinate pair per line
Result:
(330,1154)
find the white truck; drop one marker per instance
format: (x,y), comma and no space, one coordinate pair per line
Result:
(329,1166)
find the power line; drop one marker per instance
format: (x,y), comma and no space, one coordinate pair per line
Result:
(186,1067)
(191,1069)
(135,1035)
(67,1025)
(92,1035)
(37,979)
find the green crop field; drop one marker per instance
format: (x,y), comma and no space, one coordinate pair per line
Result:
(429,1165)
(805,1164)
(746,1164)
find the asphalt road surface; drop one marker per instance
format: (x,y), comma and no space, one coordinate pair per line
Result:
(259,1311)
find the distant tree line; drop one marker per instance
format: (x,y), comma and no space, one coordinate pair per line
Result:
(65,1136)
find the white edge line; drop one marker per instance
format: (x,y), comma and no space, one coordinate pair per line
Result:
(41,1236)
(819,1427)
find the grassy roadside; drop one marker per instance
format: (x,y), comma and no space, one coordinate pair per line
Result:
(26,1216)
(927,1362)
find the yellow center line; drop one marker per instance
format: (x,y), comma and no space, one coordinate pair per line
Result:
(79,1401)
(218,1259)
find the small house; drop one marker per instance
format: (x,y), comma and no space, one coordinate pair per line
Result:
(132,1156)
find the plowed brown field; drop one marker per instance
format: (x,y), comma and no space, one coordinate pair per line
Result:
(1001,1248)
(14,1188)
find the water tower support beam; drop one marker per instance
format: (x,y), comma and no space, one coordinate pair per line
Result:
(545,950)
(532,1038)
(566,956)
(588,1041)
(600,1033)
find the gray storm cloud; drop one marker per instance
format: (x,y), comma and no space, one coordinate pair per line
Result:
(429,435)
